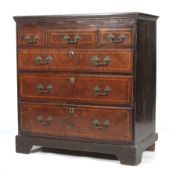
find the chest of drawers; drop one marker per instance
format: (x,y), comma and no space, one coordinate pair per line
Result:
(87,83)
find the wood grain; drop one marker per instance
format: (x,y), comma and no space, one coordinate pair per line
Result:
(120,60)
(79,123)
(56,38)
(105,42)
(82,90)
(32,32)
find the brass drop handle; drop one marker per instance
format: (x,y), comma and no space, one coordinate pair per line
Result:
(43,61)
(32,39)
(103,92)
(101,62)
(42,121)
(98,125)
(69,40)
(117,39)
(42,89)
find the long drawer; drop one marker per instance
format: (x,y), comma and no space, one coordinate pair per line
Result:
(94,89)
(91,60)
(102,123)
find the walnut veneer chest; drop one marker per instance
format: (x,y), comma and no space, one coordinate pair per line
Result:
(87,83)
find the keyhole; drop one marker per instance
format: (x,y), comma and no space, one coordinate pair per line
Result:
(72,80)
(71,54)
(71,110)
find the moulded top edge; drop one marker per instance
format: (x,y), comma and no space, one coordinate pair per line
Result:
(135,15)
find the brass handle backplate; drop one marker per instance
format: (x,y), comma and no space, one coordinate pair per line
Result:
(42,89)
(117,39)
(41,120)
(32,39)
(98,125)
(101,62)
(40,61)
(70,40)
(103,92)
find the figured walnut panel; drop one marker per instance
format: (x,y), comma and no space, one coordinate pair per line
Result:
(80,60)
(79,123)
(118,40)
(81,88)
(87,38)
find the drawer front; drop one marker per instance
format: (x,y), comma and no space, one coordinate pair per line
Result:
(111,124)
(103,89)
(73,88)
(44,87)
(71,39)
(31,37)
(115,38)
(105,60)
(76,60)
(46,60)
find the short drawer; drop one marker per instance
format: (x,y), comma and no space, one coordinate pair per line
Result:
(115,37)
(30,37)
(111,124)
(72,38)
(96,60)
(92,89)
